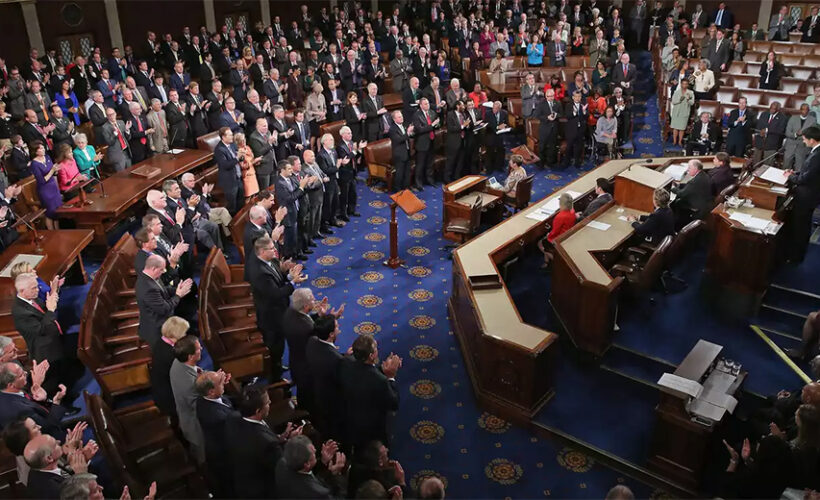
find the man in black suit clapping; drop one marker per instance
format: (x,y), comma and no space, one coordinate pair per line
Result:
(323,359)
(400,143)
(229,171)
(805,187)
(424,124)
(215,412)
(156,302)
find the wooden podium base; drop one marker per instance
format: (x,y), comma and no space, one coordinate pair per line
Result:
(410,205)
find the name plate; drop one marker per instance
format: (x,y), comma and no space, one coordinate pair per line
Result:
(146,171)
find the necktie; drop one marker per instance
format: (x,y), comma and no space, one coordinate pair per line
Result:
(139,127)
(771,117)
(49,142)
(719,17)
(37,306)
(626,70)
(432,134)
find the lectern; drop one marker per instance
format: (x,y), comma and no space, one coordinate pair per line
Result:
(410,205)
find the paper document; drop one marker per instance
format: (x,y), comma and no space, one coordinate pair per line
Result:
(680,384)
(676,171)
(779,189)
(720,399)
(623,218)
(502,130)
(575,194)
(601,226)
(538,215)
(176,151)
(719,381)
(750,221)
(776,175)
(551,205)
(706,410)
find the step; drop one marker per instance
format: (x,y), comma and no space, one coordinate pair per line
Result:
(786,323)
(635,365)
(798,301)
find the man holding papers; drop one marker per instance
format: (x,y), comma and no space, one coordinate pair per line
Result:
(805,187)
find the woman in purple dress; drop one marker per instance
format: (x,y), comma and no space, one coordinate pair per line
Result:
(45,172)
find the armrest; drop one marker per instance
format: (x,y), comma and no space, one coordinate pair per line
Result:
(621,270)
(125,314)
(127,293)
(495,192)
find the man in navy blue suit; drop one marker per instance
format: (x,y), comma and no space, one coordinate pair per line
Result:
(290,195)
(214,412)
(16,402)
(179,80)
(229,172)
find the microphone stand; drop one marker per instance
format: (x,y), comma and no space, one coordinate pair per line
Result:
(101,183)
(752,167)
(171,145)
(37,237)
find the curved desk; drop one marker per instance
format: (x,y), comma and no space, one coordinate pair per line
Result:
(509,361)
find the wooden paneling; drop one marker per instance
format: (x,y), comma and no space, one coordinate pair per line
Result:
(13,36)
(57,19)
(169,17)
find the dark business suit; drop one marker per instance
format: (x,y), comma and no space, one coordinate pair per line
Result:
(271,293)
(47,416)
(254,450)
(266,169)
(229,175)
(293,484)
(595,204)
(250,235)
(805,187)
(721,178)
(424,133)
(373,124)
(369,396)
(44,485)
(695,196)
(19,161)
(495,141)
(575,132)
(289,196)
(775,126)
(656,226)
(298,328)
(740,133)
(453,147)
(548,131)
(162,355)
(697,143)
(156,304)
(347,179)
(323,361)
(618,77)
(214,419)
(326,159)
(177,125)
(400,144)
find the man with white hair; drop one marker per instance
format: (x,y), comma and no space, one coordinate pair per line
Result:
(8,350)
(171,226)
(315,192)
(195,228)
(115,135)
(329,162)
(456,93)
(400,143)
(45,478)
(156,302)
(138,141)
(263,144)
(217,215)
(373,107)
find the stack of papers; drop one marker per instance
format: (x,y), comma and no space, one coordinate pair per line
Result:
(750,221)
(601,226)
(676,172)
(775,175)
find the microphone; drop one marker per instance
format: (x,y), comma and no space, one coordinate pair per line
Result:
(36,236)
(646,161)
(751,167)
(170,144)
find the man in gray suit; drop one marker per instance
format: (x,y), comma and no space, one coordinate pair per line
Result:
(796,151)
(717,52)
(780,25)
(158,139)
(263,144)
(184,371)
(115,135)
(530,96)
(602,189)
(315,191)
(400,69)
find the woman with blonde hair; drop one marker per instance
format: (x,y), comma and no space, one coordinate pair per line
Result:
(43,287)
(246,165)
(315,109)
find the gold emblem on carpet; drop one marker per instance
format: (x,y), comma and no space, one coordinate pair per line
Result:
(425,389)
(427,432)
(503,471)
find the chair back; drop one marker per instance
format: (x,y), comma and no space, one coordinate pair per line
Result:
(725,193)
(654,267)
(684,240)
(475,215)
(208,142)
(523,192)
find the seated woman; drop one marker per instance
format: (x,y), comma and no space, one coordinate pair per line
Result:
(88,159)
(606,130)
(660,223)
(478,95)
(561,223)
(68,175)
(516,175)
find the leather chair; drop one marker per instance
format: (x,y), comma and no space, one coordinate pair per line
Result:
(379,158)
(514,112)
(237,229)
(523,194)
(725,193)
(333,129)
(642,277)
(531,131)
(208,142)
(465,228)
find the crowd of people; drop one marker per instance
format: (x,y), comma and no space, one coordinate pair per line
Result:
(265,92)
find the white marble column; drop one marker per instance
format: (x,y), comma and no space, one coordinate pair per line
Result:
(374,5)
(35,36)
(265,10)
(210,15)
(765,14)
(112,14)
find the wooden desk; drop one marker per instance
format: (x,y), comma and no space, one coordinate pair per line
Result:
(459,197)
(635,187)
(124,190)
(763,194)
(61,249)
(505,90)
(741,258)
(581,283)
(681,446)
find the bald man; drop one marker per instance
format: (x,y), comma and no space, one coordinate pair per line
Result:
(156,302)
(46,478)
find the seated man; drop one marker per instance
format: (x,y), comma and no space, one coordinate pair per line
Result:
(704,136)
(602,197)
(660,223)
(694,199)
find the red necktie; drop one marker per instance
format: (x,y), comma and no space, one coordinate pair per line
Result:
(432,134)
(139,127)
(120,137)
(37,306)
(49,142)
(626,70)
(172,221)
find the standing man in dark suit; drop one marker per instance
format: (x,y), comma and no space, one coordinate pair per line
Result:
(805,187)
(215,413)
(329,162)
(400,144)
(290,196)
(256,228)
(771,127)
(557,51)
(37,323)
(347,173)
(811,27)
(575,131)
(718,52)
(722,18)
(229,171)
(473,139)
(496,123)
(373,107)
(271,287)
(741,124)
(323,359)
(156,302)
(410,96)
(624,74)
(177,113)
(139,131)
(458,126)
(297,323)
(779,25)
(16,402)
(253,448)
(424,124)
(263,144)
(370,392)
(695,197)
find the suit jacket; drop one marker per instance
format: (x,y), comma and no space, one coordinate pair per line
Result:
(163,357)
(712,129)
(718,56)
(657,225)
(741,131)
(254,450)
(293,484)
(19,161)
(775,131)
(369,396)
(726,21)
(158,140)
(228,164)
(271,292)
(260,147)
(288,196)
(696,195)
(529,100)
(596,203)
(400,143)
(298,328)
(297,138)
(373,122)
(618,76)
(721,178)
(493,124)
(47,416)
(323,361)
(156,304)
(576,122)
(778,29)
(250,235)
(545,109)
(251,115)
(44,485)
(410,99)
(454,140)
(170,229)
(183,379)
(39,330)
(347,172)
(805,185)
(214,419)
(557,59)
(177,123)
